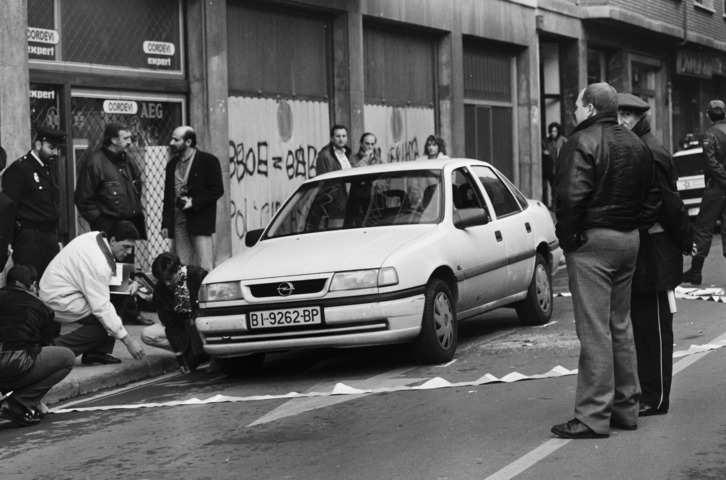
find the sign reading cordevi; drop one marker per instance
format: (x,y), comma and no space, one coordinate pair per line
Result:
(41,35)
(127,107)
(159,48)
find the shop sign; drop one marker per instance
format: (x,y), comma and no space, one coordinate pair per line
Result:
(694,64)
(153,49)
(41,43)
(124,107)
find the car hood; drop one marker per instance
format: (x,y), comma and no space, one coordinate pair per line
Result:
(317,253)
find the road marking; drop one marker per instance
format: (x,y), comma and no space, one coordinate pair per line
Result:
(550,446)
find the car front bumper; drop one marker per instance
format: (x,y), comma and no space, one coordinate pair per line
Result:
(227,334)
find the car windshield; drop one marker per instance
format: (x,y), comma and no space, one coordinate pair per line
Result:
(362,201)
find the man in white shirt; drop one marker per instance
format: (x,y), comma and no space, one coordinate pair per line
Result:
(335,155)
(76,286)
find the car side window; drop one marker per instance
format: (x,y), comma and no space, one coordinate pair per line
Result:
(465,192)
(503,201)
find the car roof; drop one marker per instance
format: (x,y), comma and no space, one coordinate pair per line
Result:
(438,164)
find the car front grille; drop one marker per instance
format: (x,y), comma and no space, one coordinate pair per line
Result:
(282,289)
(221,338)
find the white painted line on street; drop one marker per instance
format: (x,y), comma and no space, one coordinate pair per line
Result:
(692,355)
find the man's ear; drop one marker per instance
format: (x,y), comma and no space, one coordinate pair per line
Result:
(112,240)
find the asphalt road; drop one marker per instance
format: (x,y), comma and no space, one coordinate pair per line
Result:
(493,430)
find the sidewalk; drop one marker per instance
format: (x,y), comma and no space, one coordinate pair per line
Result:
(85,379)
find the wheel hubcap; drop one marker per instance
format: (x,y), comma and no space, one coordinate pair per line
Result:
(443,321)
(544,289)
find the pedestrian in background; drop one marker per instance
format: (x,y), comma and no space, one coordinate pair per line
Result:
(31,183)
(76,286)
(665,236)
(7,219)
(29,363)
(192,186)
(550,150)
(435,147)
(603,174)
(367,152)
(176,298)
(335,155)
(713,203)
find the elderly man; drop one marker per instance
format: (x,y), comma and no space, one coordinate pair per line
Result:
(31,183)
(76,286)
(367,154)
(192,186)
(603,174)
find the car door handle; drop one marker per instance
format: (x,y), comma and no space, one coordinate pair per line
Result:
(528,227)
(498,235)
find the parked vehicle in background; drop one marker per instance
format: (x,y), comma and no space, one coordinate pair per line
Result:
(691,183)
(383,254)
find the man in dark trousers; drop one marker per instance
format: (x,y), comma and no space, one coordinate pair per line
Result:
(665,236)
(335,155)
(713,203)
(7,217)
(603,175)
(192,186)
(31,183)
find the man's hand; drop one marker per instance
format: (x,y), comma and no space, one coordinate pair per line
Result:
(134,288)
(165,233)
(134,347)
(187,203)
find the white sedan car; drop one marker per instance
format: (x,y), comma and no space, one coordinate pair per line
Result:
(384,254)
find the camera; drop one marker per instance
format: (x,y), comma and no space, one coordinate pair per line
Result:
(180,203)
(183,192)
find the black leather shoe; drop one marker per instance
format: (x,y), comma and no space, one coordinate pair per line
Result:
(649,411)
(92,358)
(689,276)
(622,426)
(16,412)
(576,429)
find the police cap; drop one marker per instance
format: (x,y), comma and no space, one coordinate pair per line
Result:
(716,107)
(50,135)
(628,101)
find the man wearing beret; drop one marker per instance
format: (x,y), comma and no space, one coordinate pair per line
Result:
(713,203)
(665,236)
(31,184)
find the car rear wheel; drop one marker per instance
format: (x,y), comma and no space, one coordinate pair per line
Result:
(242,366)
(439,332)
(536,309)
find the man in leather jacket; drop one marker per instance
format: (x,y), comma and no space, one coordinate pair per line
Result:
(603,174)
(665,236)
(713,203)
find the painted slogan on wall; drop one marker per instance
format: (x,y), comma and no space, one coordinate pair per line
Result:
(273,145)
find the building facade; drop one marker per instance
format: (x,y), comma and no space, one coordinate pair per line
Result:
(263,81)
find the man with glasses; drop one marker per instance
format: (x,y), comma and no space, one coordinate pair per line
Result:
(31,183)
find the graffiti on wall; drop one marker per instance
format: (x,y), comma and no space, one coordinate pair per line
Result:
(273,145)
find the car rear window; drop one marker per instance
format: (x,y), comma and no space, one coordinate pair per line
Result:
(689,164)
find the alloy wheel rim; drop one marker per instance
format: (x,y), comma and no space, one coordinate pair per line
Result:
(544,289)
(443,316)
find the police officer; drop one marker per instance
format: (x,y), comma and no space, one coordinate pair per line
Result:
(31,184)
(713,203)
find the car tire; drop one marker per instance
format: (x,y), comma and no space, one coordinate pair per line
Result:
(247,365)
(437,341)
(536,308)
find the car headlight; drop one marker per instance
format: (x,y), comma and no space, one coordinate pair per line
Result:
(217,292)
(359,279)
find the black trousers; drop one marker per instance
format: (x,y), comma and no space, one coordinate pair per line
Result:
(35,248)
(713,208)
(653,333)
(89,337)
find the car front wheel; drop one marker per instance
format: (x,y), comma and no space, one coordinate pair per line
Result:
(536,309)
(439,332)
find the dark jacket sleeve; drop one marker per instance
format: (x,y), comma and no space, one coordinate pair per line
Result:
(167,214)
(574,186)
(14,183)
(7,222)
(85,194)
(673,214)
(712,156)
(208,187)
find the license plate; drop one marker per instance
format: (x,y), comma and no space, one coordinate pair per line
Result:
(289,317)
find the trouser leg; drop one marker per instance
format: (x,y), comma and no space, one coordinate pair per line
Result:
(712,206)
(155,336)
(203,251)
(182,244)
(89,337)
(51,366)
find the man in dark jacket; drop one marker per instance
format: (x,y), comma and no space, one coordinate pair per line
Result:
(31,183)
(713,203)
(176,298)
(192,186)
(335,155)
(665,236)
(7,217)
(109,184)
(29,364)
(603,174)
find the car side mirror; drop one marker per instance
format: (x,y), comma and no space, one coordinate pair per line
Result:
(470,217)
(253,236)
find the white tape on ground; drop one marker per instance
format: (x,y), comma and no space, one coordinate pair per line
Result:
(344,389)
